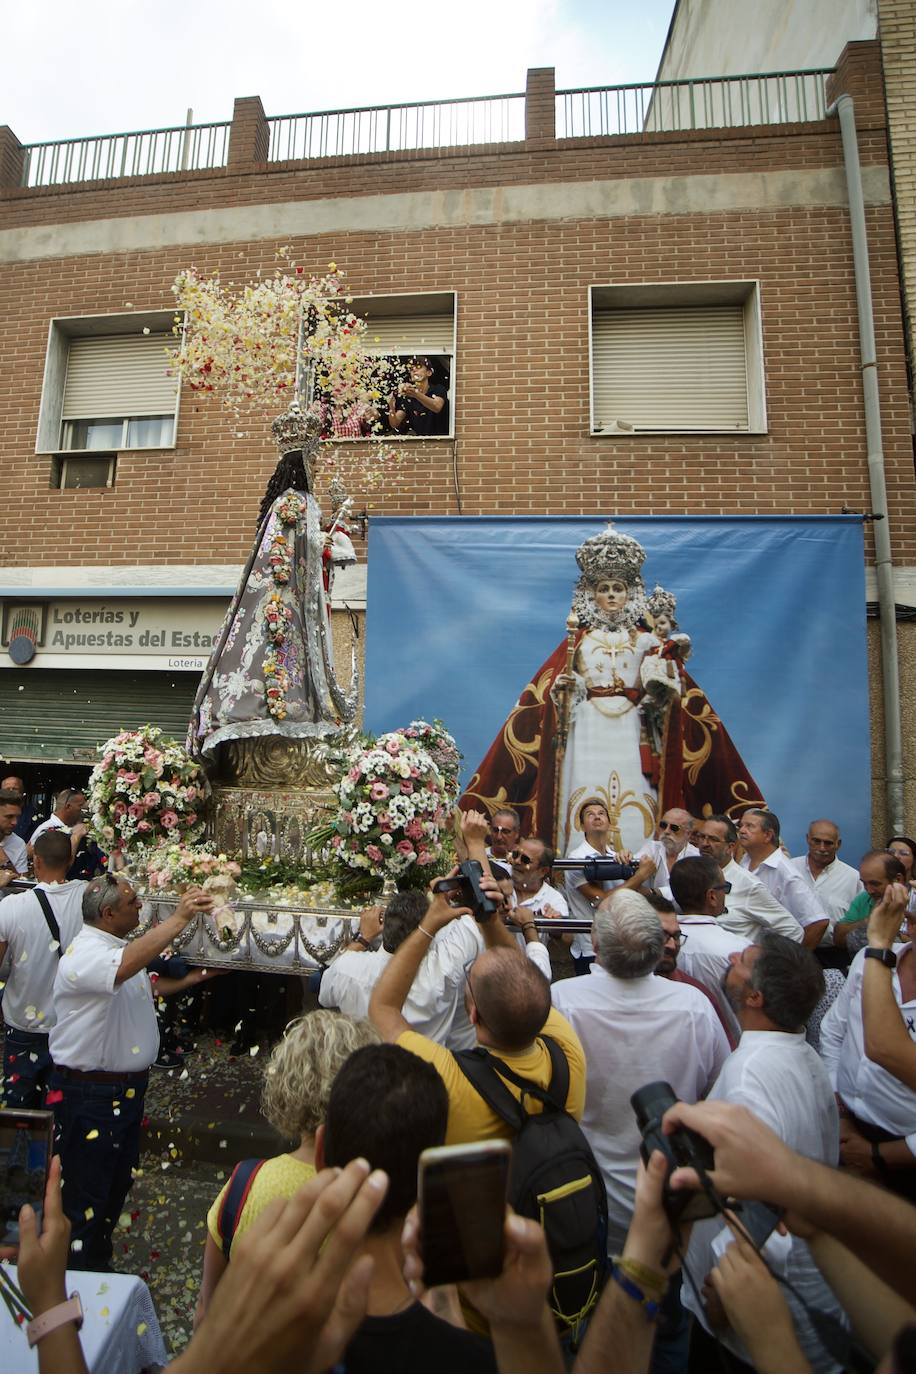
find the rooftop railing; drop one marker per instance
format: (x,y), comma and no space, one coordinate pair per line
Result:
(586,112)
(460,123)
(726,102)
(182,148)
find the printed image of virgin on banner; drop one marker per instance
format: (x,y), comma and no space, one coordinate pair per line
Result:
(708,662)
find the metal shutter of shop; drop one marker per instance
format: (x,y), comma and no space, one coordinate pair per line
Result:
(119,376)
(434,334)
(674,368)
(63,716)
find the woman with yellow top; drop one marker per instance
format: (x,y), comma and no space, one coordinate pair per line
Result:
(297,1084)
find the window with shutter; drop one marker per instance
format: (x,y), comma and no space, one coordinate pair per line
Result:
(693,363)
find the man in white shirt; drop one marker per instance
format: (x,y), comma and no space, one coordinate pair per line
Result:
(750,907)
(672,842)
(13,854)
(833,882)
(105,1038)
(435,1003)
(878,1129)
(634,1028)
(66,816)
(35,948)
(585,896)
(758,832)
(532,860)
(773,986)
(701,892)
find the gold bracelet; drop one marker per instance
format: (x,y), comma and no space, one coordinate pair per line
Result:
(649,1279)
(425,932)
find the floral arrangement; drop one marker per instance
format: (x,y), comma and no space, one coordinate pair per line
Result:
(393,804)
(442,749)
(175,867)
(146,789)
(278,617)
(276,613)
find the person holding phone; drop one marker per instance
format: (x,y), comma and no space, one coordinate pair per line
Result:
(105,1038)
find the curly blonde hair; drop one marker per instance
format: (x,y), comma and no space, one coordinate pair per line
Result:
(303,1067)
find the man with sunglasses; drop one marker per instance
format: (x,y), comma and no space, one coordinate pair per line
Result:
(103,1043)
(701,892)
(672,842)
(751,907)
(531,862)
(505,828)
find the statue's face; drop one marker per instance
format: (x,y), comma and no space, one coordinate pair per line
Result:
(611,594)
(663,626)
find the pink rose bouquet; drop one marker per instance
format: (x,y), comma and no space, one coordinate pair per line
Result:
(146,789)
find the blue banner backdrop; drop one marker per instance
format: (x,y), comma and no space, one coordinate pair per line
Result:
(462,610)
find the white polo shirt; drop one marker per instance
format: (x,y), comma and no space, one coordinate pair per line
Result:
(788,887)
(634,1031)
(834,888)
(28,1004)
(52,823)
(102,1024)
(435,1003)
(867,1089)
(751,907)
(15,849)
(777,1075)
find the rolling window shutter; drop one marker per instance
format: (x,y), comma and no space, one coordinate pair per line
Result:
(117,377)
(677,368)
(434,334)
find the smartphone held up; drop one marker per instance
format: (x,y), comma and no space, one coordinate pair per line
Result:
(25,1157)
(462,1206)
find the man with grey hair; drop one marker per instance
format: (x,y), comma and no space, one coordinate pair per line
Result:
(103,1043)
(773,986)
(635,1028)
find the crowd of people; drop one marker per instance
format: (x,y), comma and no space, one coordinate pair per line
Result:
(775,997)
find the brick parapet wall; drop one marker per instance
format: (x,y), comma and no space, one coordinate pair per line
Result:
(249,137)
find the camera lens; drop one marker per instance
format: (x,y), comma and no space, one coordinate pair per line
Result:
(651,1102)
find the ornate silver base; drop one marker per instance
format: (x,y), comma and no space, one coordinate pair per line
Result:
(271,791)
(257,935)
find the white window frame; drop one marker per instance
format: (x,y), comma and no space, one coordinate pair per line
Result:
(62,331)
(68,456)
(432,303)
(649,295)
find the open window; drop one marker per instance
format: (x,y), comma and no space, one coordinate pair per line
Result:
(402,329)
(108,384)
(678,357)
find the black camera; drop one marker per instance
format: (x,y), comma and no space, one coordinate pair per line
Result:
(466,890)
(683,1148)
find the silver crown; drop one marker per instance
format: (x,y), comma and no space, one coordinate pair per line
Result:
(661,602)
(611,554)
(295,429)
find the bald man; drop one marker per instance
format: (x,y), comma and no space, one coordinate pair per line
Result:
(834,882)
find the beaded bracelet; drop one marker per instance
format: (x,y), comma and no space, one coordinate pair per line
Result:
(649,1305)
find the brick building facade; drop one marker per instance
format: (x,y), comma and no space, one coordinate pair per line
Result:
(529,240)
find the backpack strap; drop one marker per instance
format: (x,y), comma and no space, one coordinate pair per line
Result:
(48,913)
(234,1199)
(486,1072)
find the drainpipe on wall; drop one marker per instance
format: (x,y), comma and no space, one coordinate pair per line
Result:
(890,672)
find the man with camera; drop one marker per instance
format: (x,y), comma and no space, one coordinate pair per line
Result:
(878,1108)
(773,986)
(507,997)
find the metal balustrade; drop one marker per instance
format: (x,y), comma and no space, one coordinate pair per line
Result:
(460,123)
(728,102)
(147,152)
(586,112)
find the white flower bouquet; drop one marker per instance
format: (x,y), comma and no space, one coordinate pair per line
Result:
(146,790)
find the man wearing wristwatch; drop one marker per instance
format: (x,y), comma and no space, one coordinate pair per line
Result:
(866,1052)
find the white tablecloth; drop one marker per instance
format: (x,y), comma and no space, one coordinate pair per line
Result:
(120,1332)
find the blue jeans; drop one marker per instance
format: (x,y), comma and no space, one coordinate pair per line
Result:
(98,1151)
(26,1068)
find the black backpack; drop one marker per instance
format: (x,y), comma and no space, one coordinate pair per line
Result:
(554,1178)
